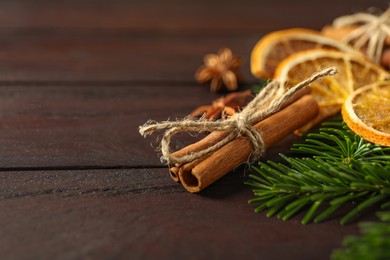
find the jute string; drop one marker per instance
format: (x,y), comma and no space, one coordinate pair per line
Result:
(372,31)
(240,124)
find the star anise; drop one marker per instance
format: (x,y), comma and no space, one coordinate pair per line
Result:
(224,106)
(221,69)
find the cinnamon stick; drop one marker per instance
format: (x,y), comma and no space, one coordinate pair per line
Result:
(262,125)
(174,173)
(215,137)
(197,175)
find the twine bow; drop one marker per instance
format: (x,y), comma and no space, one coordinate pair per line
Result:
(373,31)
(240,124)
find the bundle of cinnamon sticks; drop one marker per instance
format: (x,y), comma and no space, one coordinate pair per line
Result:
(200,173)
(270,116)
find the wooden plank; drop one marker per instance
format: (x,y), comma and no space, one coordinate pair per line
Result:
(65,126)
(137,41)
(141,214)
(73,56)
(174,15)
(69,126)
(75,183)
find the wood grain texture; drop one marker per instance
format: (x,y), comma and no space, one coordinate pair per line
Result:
(142,40)
(111,56)
(53,126)
(77,181)
(140,214)
(68,127)
(174,15)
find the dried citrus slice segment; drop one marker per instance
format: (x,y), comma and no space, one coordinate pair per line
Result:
(276,46)
(354,71)
(367,112)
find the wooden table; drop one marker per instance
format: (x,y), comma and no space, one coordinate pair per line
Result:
(78,181)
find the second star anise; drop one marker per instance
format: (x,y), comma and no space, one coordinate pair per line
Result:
(224,106)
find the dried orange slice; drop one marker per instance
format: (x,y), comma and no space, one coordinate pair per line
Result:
(276,46)
(367,112)
(354,71)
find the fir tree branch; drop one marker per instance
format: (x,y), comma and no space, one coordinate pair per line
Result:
(338,167)
(373,244)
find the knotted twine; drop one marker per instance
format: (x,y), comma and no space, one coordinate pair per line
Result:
(373,31)
(240,124)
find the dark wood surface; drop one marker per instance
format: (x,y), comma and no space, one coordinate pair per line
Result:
(77,181)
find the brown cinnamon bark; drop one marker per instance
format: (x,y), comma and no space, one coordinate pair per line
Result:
(174,173)
(215,137)
(199,174)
